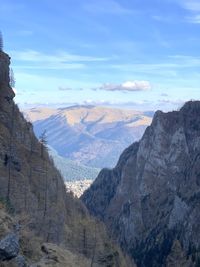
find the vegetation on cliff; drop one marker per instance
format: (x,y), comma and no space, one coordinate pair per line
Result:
(150,200)
(49,221)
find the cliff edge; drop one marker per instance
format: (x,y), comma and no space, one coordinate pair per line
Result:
(41,225)
(150,200)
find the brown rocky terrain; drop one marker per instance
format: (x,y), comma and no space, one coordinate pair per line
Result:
(41,225)
(91,135)
(150,201)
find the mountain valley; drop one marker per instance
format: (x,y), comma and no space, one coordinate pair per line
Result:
(77,177)
(90,135)
(144,212)
(41,224)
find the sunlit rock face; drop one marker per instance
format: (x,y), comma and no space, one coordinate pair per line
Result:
(90,135)
(150,200)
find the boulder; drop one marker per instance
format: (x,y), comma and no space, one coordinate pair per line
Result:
(9,247)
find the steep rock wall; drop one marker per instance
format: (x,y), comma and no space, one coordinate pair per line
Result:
(152,196)
(33,192)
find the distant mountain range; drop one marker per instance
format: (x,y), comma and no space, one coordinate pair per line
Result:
(89,135)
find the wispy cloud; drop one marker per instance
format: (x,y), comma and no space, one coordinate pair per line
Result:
(193,6)
(100,102)
(51,66)
(184,61)
(168,67)
(160,18)
(31,59)
(40,83)
(107,6)
(130,86)
(36,56)
(143,105)
(164,94)
(163,70)
(194,19)
(60,88)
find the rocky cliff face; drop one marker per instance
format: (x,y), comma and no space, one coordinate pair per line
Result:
(29,181)
(33,199)
(151,200)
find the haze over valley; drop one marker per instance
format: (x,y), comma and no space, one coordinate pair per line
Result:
(87,138)
(90,135)
(99,133)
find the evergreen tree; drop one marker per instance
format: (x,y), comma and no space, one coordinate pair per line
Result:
(1,42)
(43,142)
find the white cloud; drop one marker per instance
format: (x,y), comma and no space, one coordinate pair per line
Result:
(131,86)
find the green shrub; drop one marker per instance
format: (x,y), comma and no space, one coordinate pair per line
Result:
(7,205)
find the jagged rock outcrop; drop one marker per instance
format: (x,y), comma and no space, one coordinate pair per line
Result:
(150,201)
(33,198)
(9,247)
(29,181)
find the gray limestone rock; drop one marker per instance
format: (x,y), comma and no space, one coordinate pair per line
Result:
(152,197)
(20,261)
(9,247)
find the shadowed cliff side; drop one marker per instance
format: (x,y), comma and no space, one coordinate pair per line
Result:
(150,200)
(47,222)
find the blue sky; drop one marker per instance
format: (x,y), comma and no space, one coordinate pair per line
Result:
(133,53)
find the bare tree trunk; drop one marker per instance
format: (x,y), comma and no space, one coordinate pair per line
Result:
(30,172)
(94,247)
(10,153)
(46,187)
(84,242)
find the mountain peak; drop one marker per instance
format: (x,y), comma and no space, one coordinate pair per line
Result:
(94,135)
(193,105)
(150,201)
